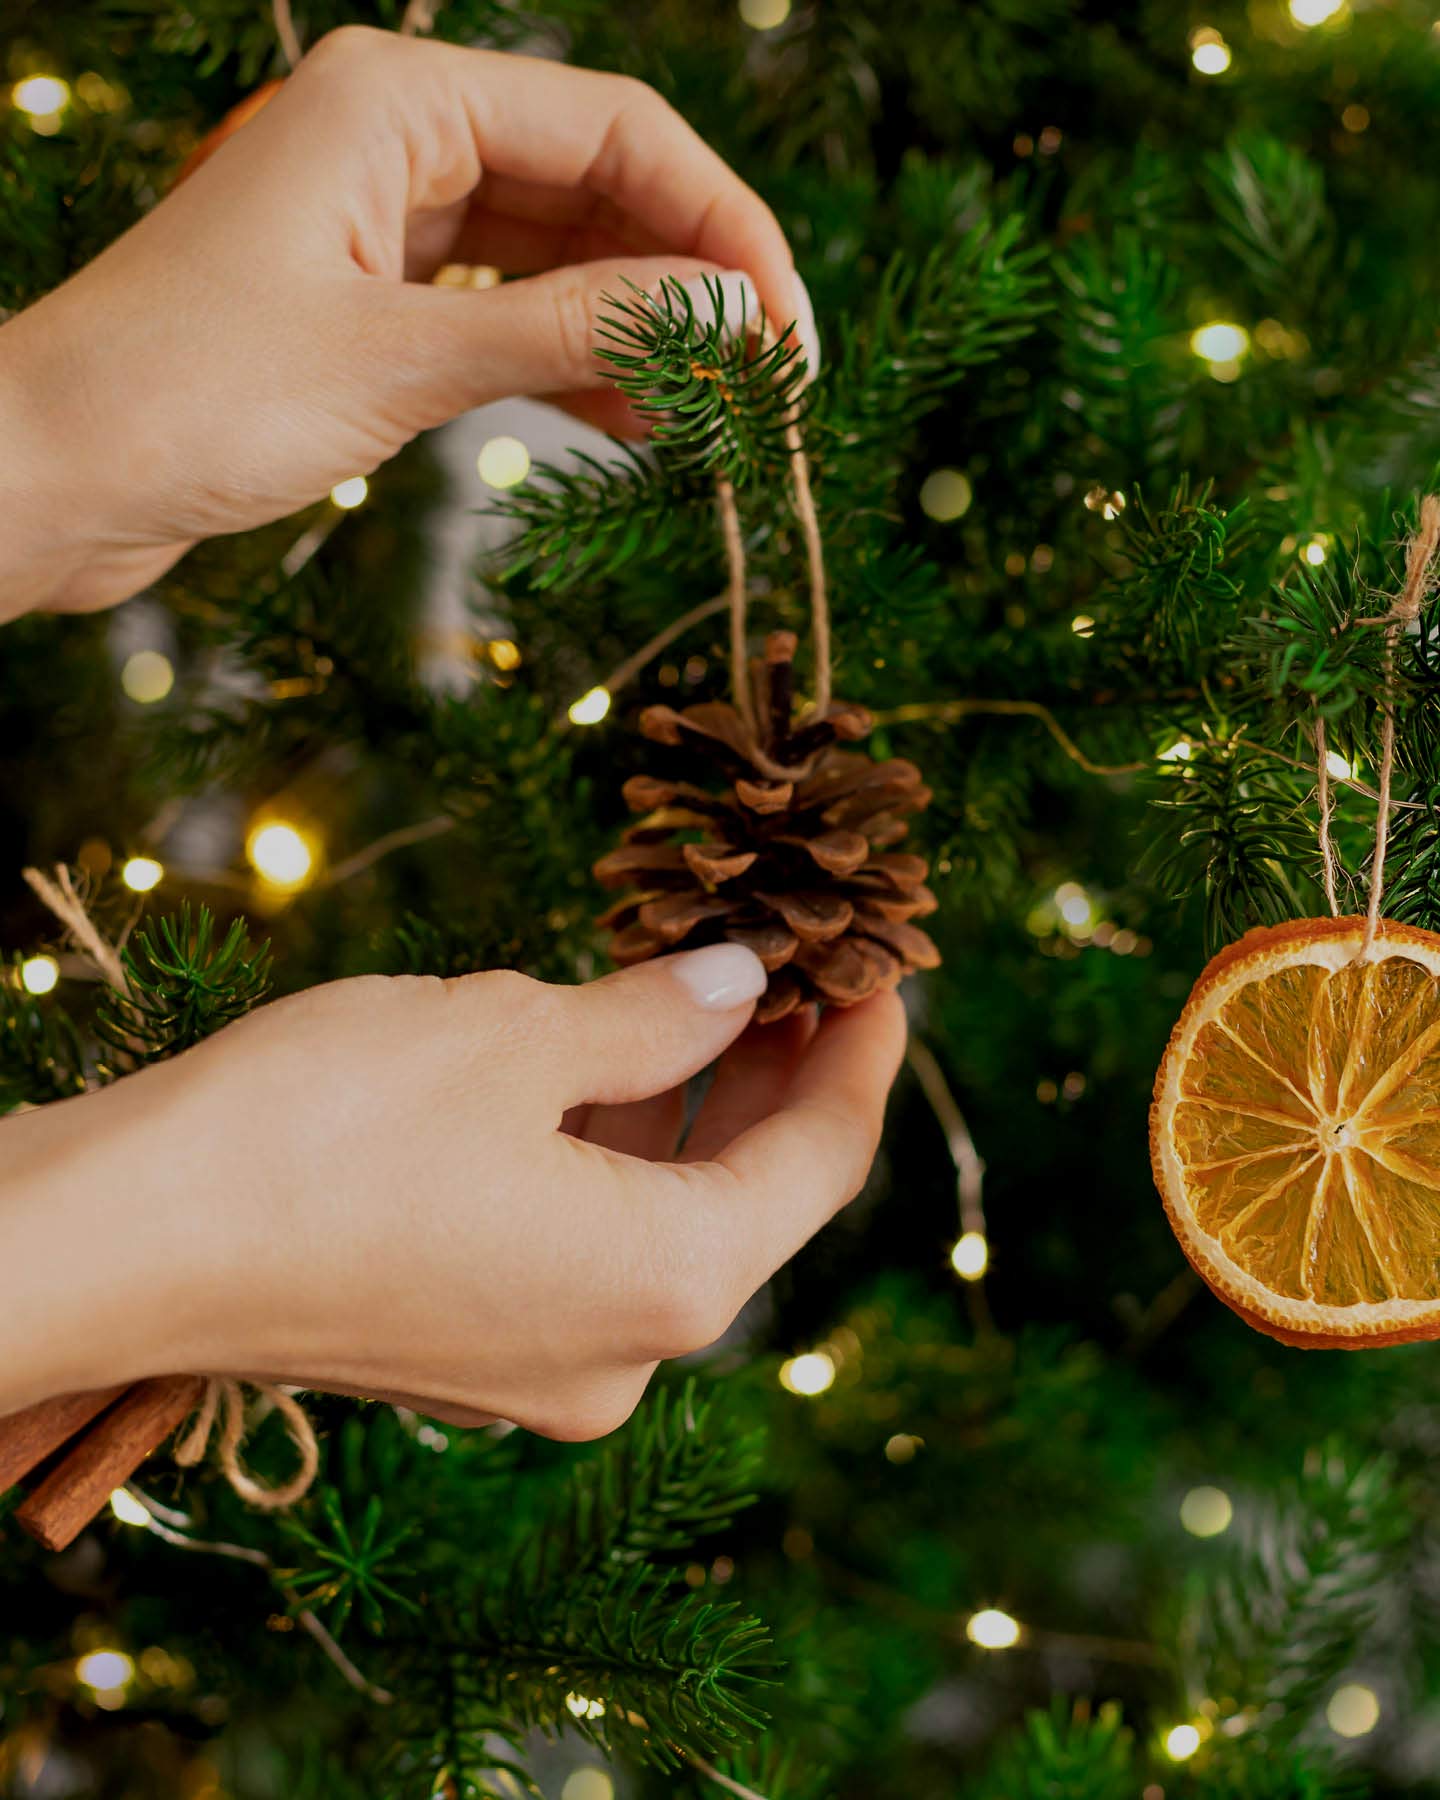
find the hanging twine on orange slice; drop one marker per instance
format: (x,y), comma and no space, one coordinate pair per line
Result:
(1295,1130)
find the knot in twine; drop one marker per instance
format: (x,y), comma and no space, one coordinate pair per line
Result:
(224,1403)
(223,1400)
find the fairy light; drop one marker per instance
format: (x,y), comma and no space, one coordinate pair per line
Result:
(1206,1512)
(902,1447)
(809,1374)
(505,654)
(992,1629)
(1082,625)
(39,974)
(503,462)
(1353,1710)
(1314,552)
(1338,766)
(141,873)
(1074,905)
(946,495)
(1221,345)
(971,1256)
(127,1509)
(590,708)
(1180,751)
(105,1672)
(764,15)
(347,495)
(588,1784)
(1108,502)
(147,677)
(584,1708)
(1309,13)
(1209,52)
(280,854)
(42,99)
(1181,1742)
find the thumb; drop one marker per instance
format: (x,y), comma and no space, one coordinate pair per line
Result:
(537,336)
(649,1028)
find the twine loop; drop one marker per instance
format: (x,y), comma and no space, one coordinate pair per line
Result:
(223,1403)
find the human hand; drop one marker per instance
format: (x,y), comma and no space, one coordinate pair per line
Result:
(268,330)
(462,1196)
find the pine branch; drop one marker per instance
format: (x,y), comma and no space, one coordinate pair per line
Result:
(1064,1752)
(930,324)
(672,1476)
(1269,198)
(658,1673)
(1234,833)
(184,986)
(1286,1617)
(1117,346)
(588,523)
(716,403)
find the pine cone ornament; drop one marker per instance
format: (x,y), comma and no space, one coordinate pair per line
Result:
(790,857)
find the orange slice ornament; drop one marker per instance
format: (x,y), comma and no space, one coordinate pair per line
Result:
(1295,1132)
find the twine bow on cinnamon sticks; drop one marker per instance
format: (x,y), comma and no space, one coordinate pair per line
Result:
(111,1431)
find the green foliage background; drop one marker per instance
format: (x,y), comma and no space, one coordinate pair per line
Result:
(1012,215)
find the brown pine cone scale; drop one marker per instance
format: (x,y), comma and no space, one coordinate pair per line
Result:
(781,842)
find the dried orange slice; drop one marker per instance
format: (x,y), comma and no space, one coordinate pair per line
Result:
(1295,1134)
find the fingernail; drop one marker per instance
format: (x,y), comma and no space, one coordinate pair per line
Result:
(805,327)
(738,297)
(721,976)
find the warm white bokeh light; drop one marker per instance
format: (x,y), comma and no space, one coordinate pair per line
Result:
(971,1256)
(764,15)
(992,1629)
(1353,1710)
(588,1784)
(1220,341)
(1181,1742)
(349,494)
(41,96)
(127,1509)
(946,495)
(590,708)
(1211,58)
(147,676)
(504,462)
(809,1374)
(1206,1512)
(105,1670)
(1314,12)
(39,974)
(280,854)
(141,873)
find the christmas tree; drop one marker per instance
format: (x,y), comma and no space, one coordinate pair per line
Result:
(1128,401)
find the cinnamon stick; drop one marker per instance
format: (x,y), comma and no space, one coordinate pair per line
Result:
(106,1457)
(27,1438)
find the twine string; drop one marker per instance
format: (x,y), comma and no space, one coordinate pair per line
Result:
(1327,809)
(802,501)
(1403,613)
(223,1394)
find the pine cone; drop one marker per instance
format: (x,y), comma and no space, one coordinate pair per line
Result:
(800,869)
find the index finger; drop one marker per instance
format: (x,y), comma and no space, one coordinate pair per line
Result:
(545,123)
